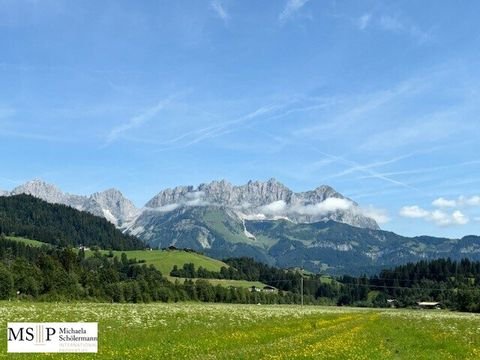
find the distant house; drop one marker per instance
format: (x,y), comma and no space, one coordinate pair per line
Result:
(266,288)
(391,302)
(269,289)
(428,304)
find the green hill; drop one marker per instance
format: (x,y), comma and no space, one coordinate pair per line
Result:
(26,241)
(164,260)
(32,218)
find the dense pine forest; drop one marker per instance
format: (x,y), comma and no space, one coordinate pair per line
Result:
(64,274)
(27,216)
(455,284)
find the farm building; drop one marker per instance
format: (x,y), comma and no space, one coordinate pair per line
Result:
(266,288)
(269,288)
(391,302)
(428,304)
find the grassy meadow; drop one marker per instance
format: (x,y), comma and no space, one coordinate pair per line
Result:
(221,331)
(164,260)
(27,241)
(224,282)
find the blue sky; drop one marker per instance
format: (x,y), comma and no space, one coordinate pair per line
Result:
(378,99)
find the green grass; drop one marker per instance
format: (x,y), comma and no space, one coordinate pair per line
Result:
(223,331)
(227,229)
(225,282)
(164,260)
(27,241)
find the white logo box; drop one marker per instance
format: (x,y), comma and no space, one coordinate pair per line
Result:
(52,337)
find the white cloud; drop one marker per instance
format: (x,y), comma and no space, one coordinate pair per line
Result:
(461,201)
(399,26)
(197,202)
(379,215)
(333,204)
(291,7)
(275,208)
(364,20)
(329,205)
(322,208)
(194,198)
(438,217)
(219,10)
(195,195)
(472,201)
(459,218)
(166,208)
(442,203)
(413,212)
(392,24)
(280,209)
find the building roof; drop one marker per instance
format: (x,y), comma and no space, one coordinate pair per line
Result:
(428,303)
(268,287)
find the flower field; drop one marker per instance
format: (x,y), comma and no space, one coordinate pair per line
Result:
(221,331)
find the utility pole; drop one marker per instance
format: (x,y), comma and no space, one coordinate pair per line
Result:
(301,283)
(301,287)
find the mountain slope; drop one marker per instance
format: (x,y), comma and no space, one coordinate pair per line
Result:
(110,204)
(266,200)
(320,229)
(30,217)
(255,200)
(325,246)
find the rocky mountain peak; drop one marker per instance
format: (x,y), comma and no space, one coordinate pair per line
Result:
(110,203)
(266,200)
(115,207)
(40,189)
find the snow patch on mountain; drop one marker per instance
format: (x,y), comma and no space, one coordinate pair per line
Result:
(269,200)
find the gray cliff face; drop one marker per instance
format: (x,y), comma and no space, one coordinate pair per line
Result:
(115,205)
(267,200)
(254,193)
(255,200)
(110,204)
(42,190)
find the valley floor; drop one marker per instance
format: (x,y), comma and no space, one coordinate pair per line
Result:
(225,331)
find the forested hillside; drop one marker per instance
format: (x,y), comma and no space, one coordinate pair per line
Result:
(30,217)
(454,284)
(63,274)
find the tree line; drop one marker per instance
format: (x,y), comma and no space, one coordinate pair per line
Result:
(60,225)
(66,274)
(455,284)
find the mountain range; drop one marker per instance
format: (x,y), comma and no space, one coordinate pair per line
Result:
(110,204)
(321,229)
